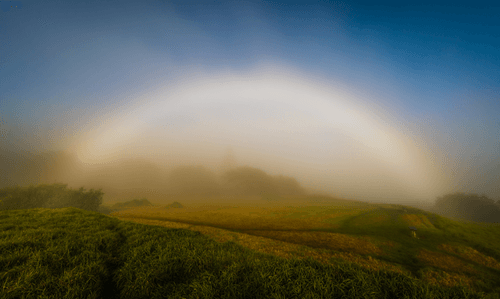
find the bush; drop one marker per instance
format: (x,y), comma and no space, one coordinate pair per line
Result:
(133,203)
(468,206)
(252,181)
(105,210)
(49,196)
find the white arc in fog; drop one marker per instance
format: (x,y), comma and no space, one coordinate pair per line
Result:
(268,113)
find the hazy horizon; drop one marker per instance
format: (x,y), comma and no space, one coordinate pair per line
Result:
(378,103)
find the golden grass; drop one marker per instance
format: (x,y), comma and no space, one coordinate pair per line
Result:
(241,218)
(371,219)
(278,247)
(419,221)
(445,262)
(471,254)
(288,232)
(327,240)
(447,279)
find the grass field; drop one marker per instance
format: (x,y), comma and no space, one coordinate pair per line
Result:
(304,248)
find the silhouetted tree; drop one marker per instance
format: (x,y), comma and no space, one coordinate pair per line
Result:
(49,196)
(250,181)
(58,196)
(87,200)
(287,185)
(28,197)
(468,206)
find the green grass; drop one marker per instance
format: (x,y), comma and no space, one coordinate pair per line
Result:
(72,253)
(483,237)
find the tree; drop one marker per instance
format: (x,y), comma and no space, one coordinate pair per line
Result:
(87,200)
(193,180)
(229,162)
(25,197)
(49,196)
(255,182)
(57,196)
(250,181)
(468,206)
(288,186)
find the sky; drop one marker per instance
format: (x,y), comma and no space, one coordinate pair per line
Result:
(382,102)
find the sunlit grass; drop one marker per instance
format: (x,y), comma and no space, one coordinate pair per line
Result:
(71,253)
(471,254)
(323,240)
(372,237)
(448,279)
(279,248)
(418,221)
(445,262)
(255,218)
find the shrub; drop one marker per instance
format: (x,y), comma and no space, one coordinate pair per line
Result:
(49,196)
(468,206)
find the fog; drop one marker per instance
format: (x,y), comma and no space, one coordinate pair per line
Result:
(331,138)
(350,100)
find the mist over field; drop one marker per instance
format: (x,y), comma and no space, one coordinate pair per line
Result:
(161,100)
(249,149)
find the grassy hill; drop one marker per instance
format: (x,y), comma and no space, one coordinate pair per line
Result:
(309,248)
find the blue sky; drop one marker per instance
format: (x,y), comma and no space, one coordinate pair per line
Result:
(427,70)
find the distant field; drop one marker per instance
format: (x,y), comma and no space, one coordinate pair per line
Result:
(241,218)
(376,237)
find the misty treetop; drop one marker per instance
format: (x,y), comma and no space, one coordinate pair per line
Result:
(133,203)
(194,180)
(240,181)
(253,181)
(468,206)
(175,204)
(49,196)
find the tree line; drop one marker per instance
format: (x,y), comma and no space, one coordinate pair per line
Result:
(239,181)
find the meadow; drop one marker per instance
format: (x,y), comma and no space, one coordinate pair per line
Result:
(308,248)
